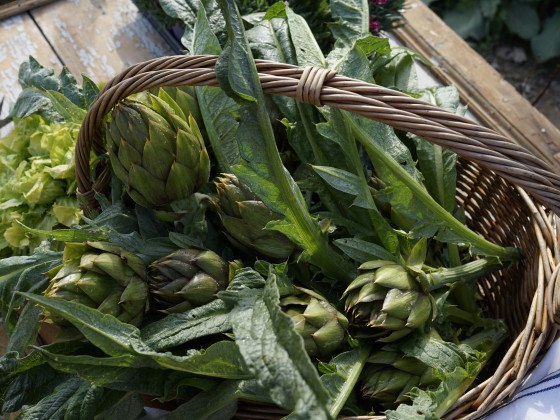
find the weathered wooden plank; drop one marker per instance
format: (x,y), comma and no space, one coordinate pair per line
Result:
(16,7)
(491,99)
(97,37)
(20,38)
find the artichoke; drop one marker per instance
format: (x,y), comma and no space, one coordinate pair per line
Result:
(389,376)
(157,150)
(322,327)
(187,278)
(103,276)
(245,217)
(397,299)
(389,297)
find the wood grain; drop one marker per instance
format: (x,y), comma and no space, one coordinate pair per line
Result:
(15,7)
(491,99)
(99,37)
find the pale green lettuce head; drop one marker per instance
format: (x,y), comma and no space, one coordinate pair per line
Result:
(37,181)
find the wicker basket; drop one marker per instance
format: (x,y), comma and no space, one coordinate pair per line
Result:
(510,197)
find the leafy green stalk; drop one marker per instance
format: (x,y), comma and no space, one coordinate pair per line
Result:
(264,164)
(447,219)
(345,372)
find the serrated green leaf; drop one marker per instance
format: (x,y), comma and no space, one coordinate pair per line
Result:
(308,51)
(31,101)
(438,165)
(351,20)
(178,329)
(116,338)
(188,11)
(33,74)
(272,349)
(264,172)
(119,373)
(90,90)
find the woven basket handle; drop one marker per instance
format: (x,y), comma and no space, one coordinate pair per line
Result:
(322,87)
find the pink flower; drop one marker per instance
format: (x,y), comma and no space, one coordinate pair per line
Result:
(374,26)
(380,1)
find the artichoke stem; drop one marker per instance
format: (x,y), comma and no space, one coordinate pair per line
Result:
(465,272)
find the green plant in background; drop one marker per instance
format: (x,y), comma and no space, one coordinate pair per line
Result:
(37,181)
(537,22)
(385,15)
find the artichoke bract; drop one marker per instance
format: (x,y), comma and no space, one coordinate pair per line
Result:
(321,325)
(398,299)
(389,376)
(103,276)
(245,217)
(187,278)
(387,296)
(157,150)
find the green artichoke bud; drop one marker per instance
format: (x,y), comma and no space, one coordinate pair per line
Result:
(245,217)
(156,149)
(103,276)
(322,327)
(188,278)
(389,376)
(389,297)
(397,299)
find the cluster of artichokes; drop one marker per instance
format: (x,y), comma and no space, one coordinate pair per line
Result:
(158,152)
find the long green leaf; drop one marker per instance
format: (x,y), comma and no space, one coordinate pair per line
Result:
(218,110)
(347,367)
(116,373)
(116,338)
(177,329)
(351,19)
(26,274)
(66,235)
(438,165)
(363,251)
(435,214)
(272,349)
(26,329)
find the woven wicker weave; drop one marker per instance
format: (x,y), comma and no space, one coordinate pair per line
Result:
(510,197)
